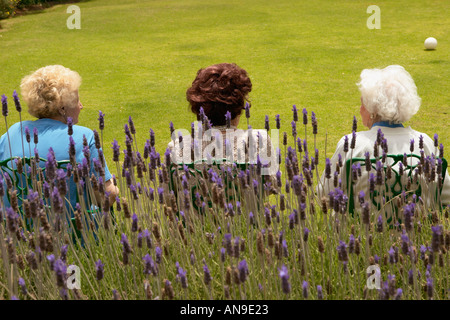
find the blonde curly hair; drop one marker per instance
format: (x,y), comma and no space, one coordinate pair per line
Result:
(48,89)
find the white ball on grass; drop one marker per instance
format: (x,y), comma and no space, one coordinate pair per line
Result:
(430,43)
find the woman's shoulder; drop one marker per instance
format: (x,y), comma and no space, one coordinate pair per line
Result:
(361,137)
(417,134)
(15,129)
(81,130)
(17,125)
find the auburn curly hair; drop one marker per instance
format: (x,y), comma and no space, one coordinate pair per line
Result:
(48,89)
(217,89)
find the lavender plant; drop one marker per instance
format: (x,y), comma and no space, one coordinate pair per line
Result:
(227,233)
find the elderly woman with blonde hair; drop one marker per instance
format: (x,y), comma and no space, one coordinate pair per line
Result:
(388,99)
(52,96)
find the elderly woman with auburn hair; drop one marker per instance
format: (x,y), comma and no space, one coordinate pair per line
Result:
(217,97)
(51,94)
(388,99)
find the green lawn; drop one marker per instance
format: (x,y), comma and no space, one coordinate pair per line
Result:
(138,57)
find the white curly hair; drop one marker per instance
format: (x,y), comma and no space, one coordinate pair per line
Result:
(389,93)
(48,89)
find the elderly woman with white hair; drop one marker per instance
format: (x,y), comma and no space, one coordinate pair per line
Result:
(388,99)
(51,94)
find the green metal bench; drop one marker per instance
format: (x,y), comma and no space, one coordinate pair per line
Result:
(196,173)
(24,182)
(392,188)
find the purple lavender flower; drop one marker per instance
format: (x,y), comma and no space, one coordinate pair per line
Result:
(430,287)
(435,238)
(61,180)
(423,250)
(408,211)
(206,274)
(314,122)
(35,136)
(158,255)
(428,271)
(132,127)
(327,168)
(202,114)
(305,234)
(60,271)
(441,151)
(411,145)
(149,265)
(292,220)
(50,167)
(69,126)
(284,248)
(17,101)
(63,252)
(99,269)
(305,116)
(398,294)
(228,119)
(379,175)
(171,127)
(392,256)
(345,144)
(284,276)
(125,244)
(51,260)
(22,285)
(243,271)
(355,124)
(277,121)
(101,120)
(161,195)
(182,276)
(116,151)
(351,244)
(255,186)
(139,240)
(146,235)
(12,219)
(342,251)
(305,289)
(295,113)
(4,106)
(134,223)
(353,142)
(361,197)
(2,191)
(247,110)
(294,128)
(299,145)
(319,292)
(27,134)
(251,218)
(266,123)
(222,254)
(405,243)
(57,201)
(227,244)
(367,161)
(436,140)
(297,185)
(411,277)
(380,224)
